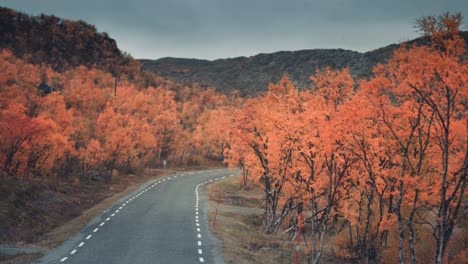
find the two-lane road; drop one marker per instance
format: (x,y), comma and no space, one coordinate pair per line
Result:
(165,221)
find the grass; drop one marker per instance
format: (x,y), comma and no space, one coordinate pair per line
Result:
(238,226)
(20,258)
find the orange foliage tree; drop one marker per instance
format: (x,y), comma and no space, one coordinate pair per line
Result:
(420,96)
(90,122)
(392,153)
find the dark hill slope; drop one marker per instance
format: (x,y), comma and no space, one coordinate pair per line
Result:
(61,43)
(252,74)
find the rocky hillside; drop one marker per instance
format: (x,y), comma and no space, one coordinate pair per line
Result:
(252,74)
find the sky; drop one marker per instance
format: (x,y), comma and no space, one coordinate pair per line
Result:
(212,29)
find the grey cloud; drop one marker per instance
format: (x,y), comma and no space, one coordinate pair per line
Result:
(226,28)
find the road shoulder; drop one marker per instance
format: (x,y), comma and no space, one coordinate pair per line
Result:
(238,226)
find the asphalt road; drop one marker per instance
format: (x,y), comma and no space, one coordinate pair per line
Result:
(165,221)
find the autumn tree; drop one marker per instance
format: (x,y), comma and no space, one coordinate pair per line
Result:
(366,210)
(325,153)
(257,128)
(421,99)
(212,132)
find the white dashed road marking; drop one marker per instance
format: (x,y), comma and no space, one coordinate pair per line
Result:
(199,242)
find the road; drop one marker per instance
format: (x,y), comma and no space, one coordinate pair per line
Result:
(164,221)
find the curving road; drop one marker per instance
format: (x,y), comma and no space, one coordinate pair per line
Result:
(165,221)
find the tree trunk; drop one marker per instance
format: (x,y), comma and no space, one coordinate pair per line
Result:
(411,230)
(401,245)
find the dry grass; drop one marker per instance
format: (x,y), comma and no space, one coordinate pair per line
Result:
(238,226)
(20,258)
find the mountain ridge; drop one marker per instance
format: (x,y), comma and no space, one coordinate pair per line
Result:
(251,75)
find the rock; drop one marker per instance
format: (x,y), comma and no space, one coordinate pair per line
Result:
(96,176)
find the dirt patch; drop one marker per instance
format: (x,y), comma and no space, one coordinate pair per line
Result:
(229,193)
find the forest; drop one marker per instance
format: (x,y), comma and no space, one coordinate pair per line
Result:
(97,123)
(375,167)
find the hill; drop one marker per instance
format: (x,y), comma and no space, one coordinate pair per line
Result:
(252,74)
(62,43)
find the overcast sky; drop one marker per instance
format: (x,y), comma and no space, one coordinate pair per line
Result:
(212,29)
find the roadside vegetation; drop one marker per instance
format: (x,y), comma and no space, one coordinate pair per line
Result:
(74,135)
(345,171)
(376,169)
(236,220)
(94,131)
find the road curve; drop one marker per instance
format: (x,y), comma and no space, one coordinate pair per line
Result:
(164,221)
